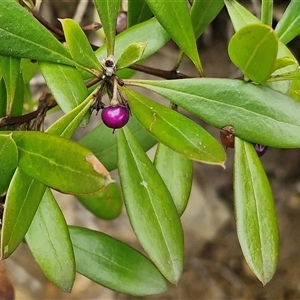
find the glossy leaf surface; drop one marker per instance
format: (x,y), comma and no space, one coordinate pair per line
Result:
(102,142)
(8,161)
(79,46)
(31,41)
(50,244)
(258,114)
(174,16)
(255,212)
(106,204)
(43,156)
(252,45)
(138,11)
(22,200)
(150,207)
(108,13)
(131,54)
(114,264)
(289,24)
(177,173)
(175,130)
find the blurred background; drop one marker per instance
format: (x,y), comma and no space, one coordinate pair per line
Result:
(214,264)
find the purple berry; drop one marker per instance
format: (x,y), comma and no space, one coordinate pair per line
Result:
(115,116)
(260,149)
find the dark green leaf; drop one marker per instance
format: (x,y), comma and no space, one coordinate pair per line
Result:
(22,200)
(131,54)
(202,14)
(177,173)
(105,205)
(32,41)
(255,212)
(102,142)
(288,26)
(138,11)
(174,16)
(150,207)
(8,161)
(50,244)
(252,45)
(175,130)
(60,163)
(108,13)
(114,264)
(258,114)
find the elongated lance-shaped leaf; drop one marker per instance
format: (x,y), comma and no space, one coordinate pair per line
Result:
(255,213)
(175,17)
(267,12)
(49,242)
(138,11)
(150,207)
(32,41)
(177,173)
(175,130)
(258,114)
(114,264)
(108,13)
(288,26)
(79,45)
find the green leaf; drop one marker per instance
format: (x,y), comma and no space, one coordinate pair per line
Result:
(174,16)
(22,200)
(150,207)
(8,161)
(131,54)
(29,69)
(255,212)
(102,142)
(114,264)
(150,31)
(138,11)
(79,45)
(175,130)
(267,12)
(32,41)
(106,204)
(294,75)
(3,96)
(202,14)
(60,163)
(288,26)
(284,62)
(252,45)
(108,13)
(49,242)
(177,173)
(258,114)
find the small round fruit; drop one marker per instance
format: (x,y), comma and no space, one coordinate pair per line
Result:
(227,136)
(115,116)
(260,149)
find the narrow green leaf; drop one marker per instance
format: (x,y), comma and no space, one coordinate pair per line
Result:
(251,45)
(258,114)
(108,13)
(29,69)
(105,205)
(131,54)
(294,75)
(60,163)
(267,12)
(3,96)
(79,46)
(284,62)
(22,200)
(177,173)
(255,212)
(174,16)
(114,264)
(8,161)
(138,11)
(102,142)
(150,207)
(202,14)
(32,41)
(49,242)
(175,130)
(150,31)
(288,26)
